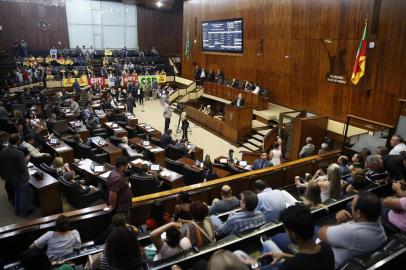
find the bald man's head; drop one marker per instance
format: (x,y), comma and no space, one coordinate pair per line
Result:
(226,191)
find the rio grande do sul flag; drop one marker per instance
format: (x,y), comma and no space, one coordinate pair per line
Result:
(361,58)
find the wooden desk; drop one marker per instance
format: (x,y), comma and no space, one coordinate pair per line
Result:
(62,150)
(47,193)
(197,153)
(258,102)
(117,131)
(171,178)
(131,119)
(157,153)
(82,130)
(190,162)
(43,130)
(149,130)
(224,130)
(113,151)
(245,168)
(102,116)
(83,167)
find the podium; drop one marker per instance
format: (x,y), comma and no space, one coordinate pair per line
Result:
(238,117)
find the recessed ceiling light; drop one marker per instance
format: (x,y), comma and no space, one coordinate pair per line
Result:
(159,4)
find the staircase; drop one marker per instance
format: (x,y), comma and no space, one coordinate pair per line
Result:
(254,142)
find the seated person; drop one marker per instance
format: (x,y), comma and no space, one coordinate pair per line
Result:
(248,218)
(35,258)
(343,163)
(34,152)
(240,101)
(323,149)
(132,153)
(299,225)
(174,243)
(376,172)
(122,251)
(60,167)
(60,242)
(207,110)
(208,172)
(182,207)
(308,149)
(228,202)
(200,231)
(157,216)
(182,145)
(357,180)
(166,138)
(262,162)
(74,108)
(312,196)
(395,209)
(77,184)
(271,202)
(357,161)
(358,233)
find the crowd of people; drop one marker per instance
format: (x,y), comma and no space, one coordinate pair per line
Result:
(192,223)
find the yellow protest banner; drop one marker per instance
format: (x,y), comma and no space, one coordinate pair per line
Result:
(69,81)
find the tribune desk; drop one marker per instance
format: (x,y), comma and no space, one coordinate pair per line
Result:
(117,130)
(190,162)
(157,153)
(258,102)
(147,129)
(171,178)
(61,149)
(113,151)
(80,129)
(47,193)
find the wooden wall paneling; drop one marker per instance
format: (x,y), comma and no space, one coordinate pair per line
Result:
(19,21)
(162,29)
(295,28)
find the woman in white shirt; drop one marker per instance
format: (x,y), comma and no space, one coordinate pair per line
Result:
(60,242)
(276,154)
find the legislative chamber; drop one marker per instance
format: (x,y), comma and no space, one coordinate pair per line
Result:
(198,134)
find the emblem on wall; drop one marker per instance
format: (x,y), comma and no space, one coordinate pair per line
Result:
(43,25)
(337,72)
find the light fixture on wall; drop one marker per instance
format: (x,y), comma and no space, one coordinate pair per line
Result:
(159,4)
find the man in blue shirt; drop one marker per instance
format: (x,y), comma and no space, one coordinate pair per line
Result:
(76,85)
(241,221)
(272,202)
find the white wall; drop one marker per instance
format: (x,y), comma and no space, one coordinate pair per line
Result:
(101,24)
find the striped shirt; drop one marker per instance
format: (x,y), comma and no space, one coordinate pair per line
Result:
(241,221)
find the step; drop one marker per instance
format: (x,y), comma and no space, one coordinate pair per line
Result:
(255,142)
(264,132)
(250,147)
(257,124)
(258,136)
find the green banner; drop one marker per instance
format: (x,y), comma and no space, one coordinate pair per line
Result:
(149,79)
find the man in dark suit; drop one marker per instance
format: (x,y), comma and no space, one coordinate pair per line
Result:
(166,138)
(262,162)
(240,101)
(13,169)
(234,83)
(219,76)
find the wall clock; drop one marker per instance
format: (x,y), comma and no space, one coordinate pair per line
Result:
(43,25)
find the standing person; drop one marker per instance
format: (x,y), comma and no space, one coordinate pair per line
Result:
(140,95)
(398,145)
(276,154)
(13,169)
(167,115)
(130,103)
(262,162)
(119,191)
(185,127)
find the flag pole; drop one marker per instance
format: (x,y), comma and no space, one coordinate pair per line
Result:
(367,84)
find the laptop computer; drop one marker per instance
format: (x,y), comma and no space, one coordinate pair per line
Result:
(53,141)
(145,143)
(155,167)
(96,168)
